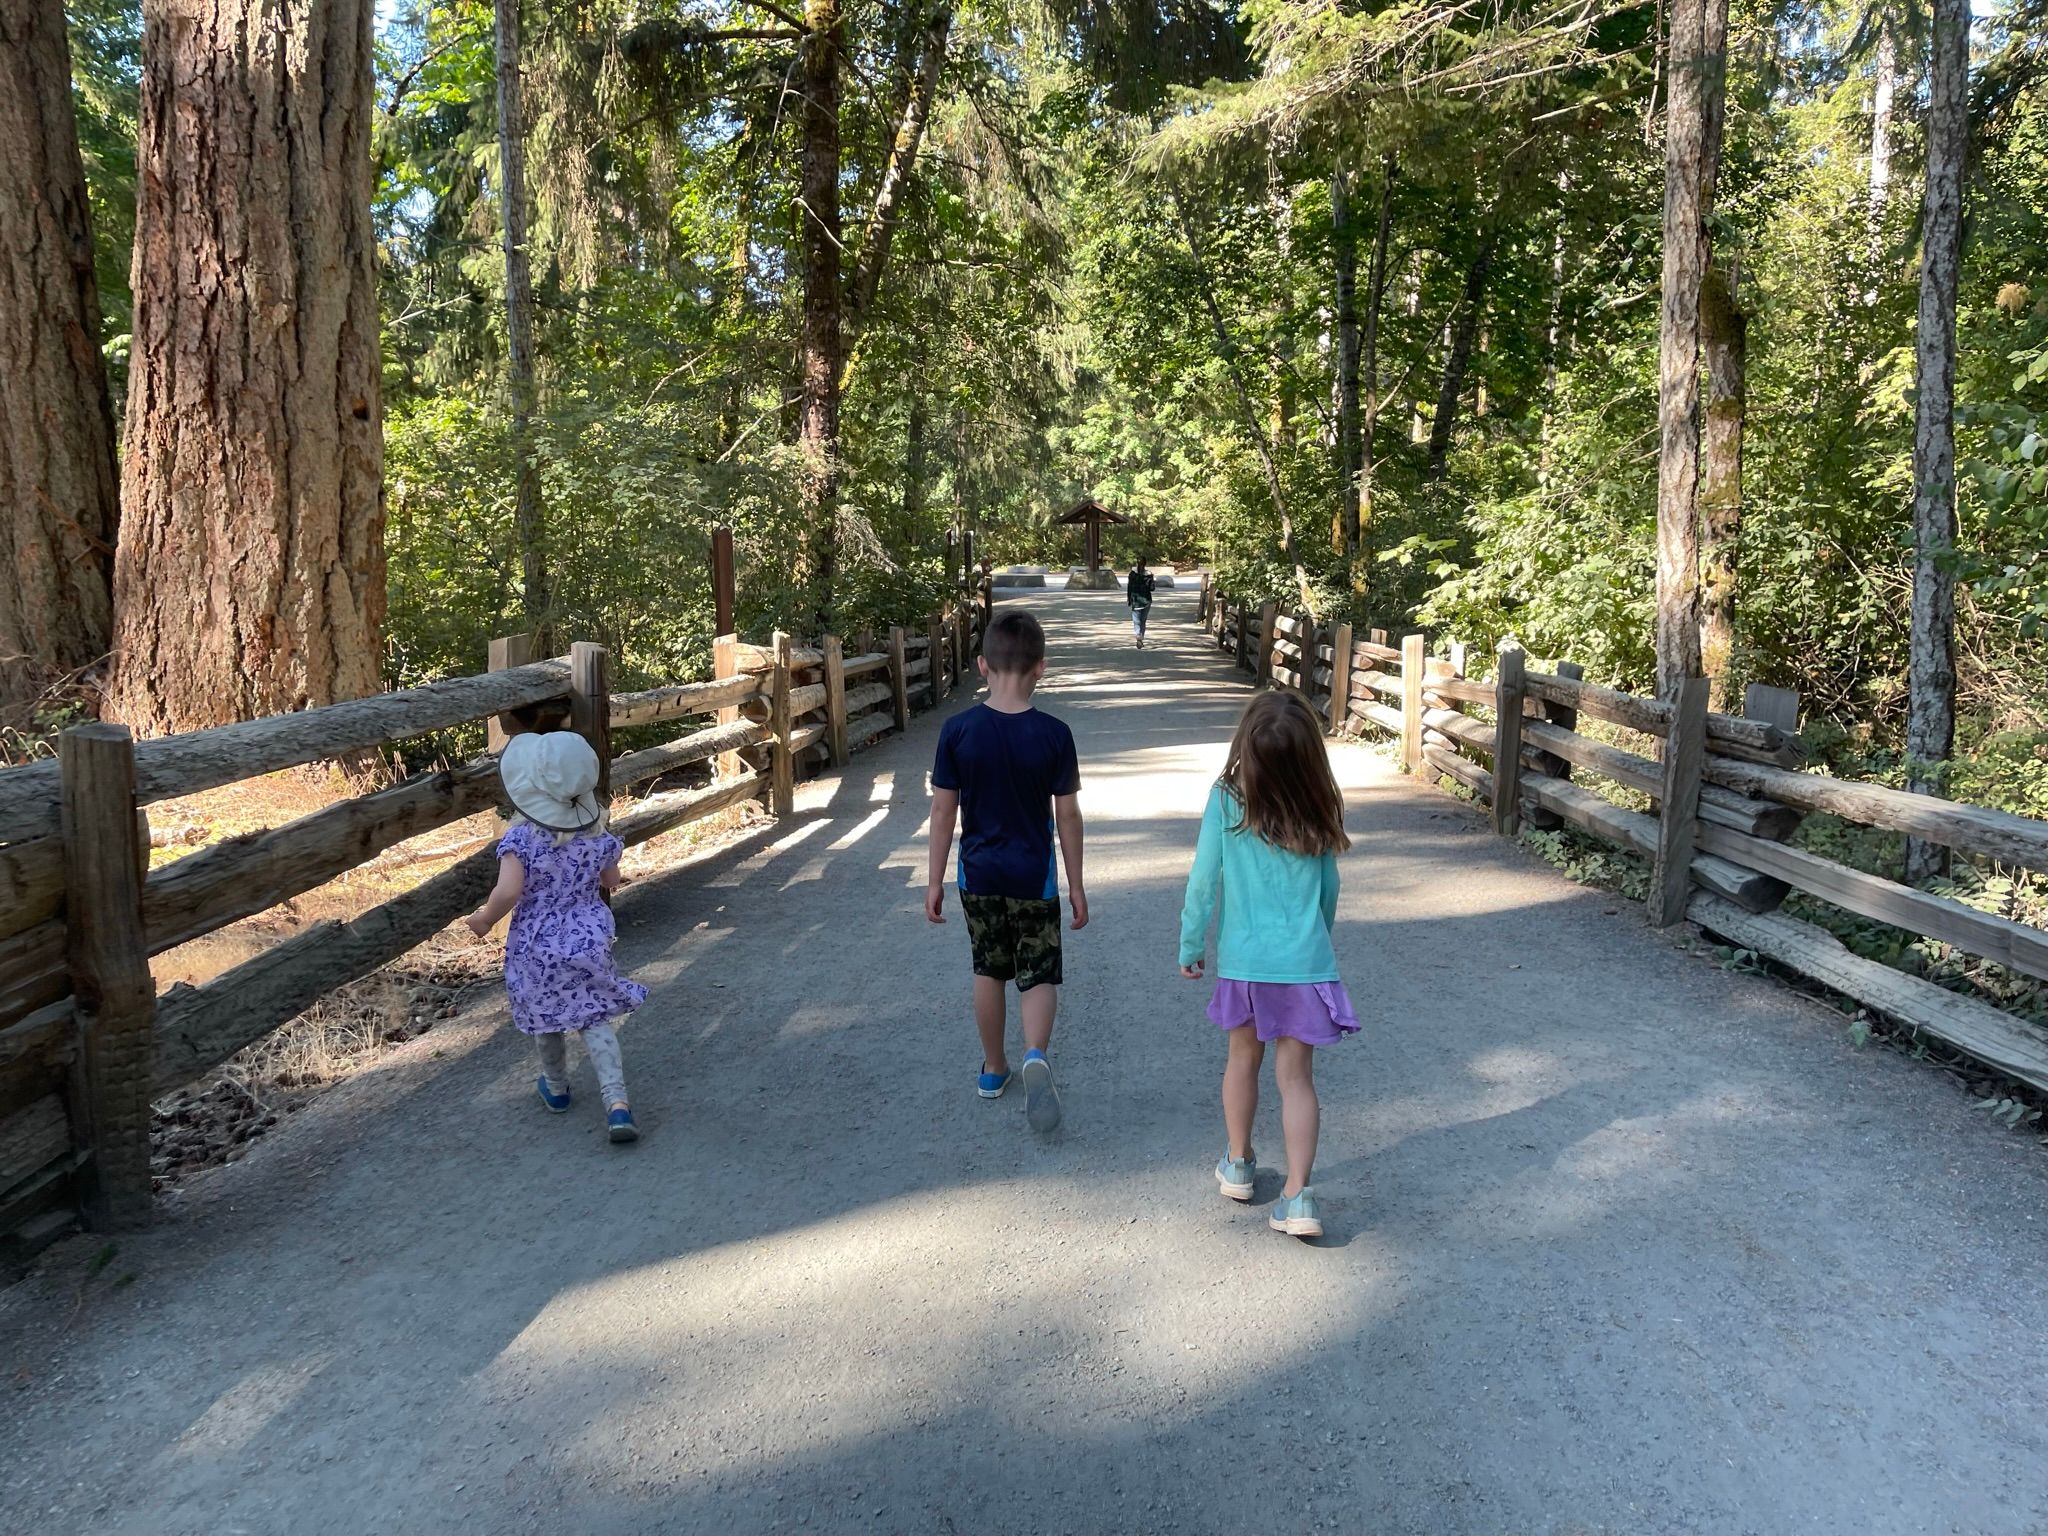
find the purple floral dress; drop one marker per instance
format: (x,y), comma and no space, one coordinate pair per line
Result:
(558,955)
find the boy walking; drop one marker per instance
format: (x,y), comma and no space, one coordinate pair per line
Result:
(1008,772)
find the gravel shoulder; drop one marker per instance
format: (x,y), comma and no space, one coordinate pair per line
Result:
(1619,1242)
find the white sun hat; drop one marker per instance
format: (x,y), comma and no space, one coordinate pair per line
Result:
(551,780)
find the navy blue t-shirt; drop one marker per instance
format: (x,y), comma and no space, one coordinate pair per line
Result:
(1007,769)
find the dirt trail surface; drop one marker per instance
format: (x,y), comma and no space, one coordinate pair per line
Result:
(1618,1241)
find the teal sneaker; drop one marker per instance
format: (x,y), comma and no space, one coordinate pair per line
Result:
(1297,1217)
(1236,1174)
(1041,1099)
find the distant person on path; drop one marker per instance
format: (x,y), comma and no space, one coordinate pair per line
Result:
(1138,593)
(553,866)
(1009,774)
(1270,838)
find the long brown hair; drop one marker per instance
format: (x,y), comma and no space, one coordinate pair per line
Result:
(1280,774)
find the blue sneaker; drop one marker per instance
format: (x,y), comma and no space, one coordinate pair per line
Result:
(1041,1099)
(558,1102)
(992,1084)
(1236,1174)
(623,1129)
(1297,1217)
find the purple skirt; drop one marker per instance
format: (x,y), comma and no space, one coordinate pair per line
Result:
(1313,1012)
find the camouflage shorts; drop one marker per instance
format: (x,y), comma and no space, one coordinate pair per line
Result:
(1014,939)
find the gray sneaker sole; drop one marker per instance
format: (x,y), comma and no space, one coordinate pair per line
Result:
(1041,1099)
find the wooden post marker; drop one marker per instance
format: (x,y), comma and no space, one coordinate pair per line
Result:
(725,663)
(899,685)
(1564,718)
(590,708)
(835,700)
(109,964)
(1305,637)
(1411,701)
(1269,616)
(1508,694)
(723,586)
(782,765)
(506,652)
(935,654)
(1685,749)
(1340,677)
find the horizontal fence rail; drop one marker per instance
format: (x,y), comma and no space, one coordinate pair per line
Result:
(85,1040)
(1727,794)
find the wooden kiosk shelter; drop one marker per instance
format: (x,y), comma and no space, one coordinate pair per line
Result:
(1092,514)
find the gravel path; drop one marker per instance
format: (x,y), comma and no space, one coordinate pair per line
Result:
(1619,1242)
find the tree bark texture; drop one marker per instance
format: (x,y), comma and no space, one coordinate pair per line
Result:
(1724,333)
(1344,243)
(529,527)
(58,478)
(1464,332)
(250,573)
(1369,382)
(1884,86)
(822,350)
(1931,691)
(1678,552)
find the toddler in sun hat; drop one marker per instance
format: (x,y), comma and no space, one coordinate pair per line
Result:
(554,866)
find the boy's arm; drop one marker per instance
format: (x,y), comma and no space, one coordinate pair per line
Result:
(1330,892)
(1203,880)
(945,810)
(503,898)
(1066,815)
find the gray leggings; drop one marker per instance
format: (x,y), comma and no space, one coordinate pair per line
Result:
(600,1044)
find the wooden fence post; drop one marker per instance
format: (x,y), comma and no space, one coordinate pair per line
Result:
(1685,750)
(1202,601)
(1508,693)
(1305,637)
(782,766)
(1555,767)
(725,663)
(899,684)
(1411,700)
(1340,677)
(1377,636)
(1269,617)
(723,587)
(1243,619)
(590,708)
(109,964)
(835,700)
(935,653)
(506,652)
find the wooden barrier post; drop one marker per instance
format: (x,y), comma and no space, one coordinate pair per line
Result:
(1565,719)
(835,700)
(1508,695)
(725,663)
(1685,751)
(506,652)
(935,655)
(1269,618)
(782,774)
(1202,600)
(723,586)
(1340,677)
(1376,636)
(109,964)
(1305,637)
(590,708)
(899,684)
(1411,700)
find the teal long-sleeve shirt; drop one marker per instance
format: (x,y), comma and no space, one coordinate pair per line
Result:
(1277,907)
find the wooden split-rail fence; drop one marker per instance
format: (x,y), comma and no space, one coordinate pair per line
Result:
(1726,794)
(86,1041)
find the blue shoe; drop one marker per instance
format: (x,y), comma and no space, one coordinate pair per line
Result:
(1297,1217)
(1041,1099)
(623,1128)
(558,1102)
(992,1084)
(1236,1174)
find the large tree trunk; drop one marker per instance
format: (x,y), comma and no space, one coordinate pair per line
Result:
(1724,332)
(250,572)
(823,357)
(1931,698)
(1344,243)
(528,521)
(916,113)
(1883,87)
(1361,538)
(1464,331)
(1685,253)
(58,478)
